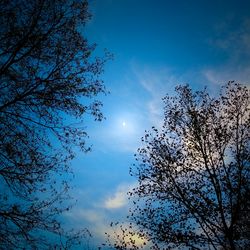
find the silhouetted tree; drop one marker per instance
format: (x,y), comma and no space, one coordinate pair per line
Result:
(47,77)
(194,176)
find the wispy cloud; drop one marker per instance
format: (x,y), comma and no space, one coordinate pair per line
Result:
(234,43)
(233,40)
(157,82)
(119,198)
(227,73)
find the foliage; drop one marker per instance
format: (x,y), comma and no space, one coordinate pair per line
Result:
(48,76)
(193,174)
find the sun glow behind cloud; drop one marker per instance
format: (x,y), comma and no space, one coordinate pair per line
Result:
(124,132)
(121,132)
(126,124)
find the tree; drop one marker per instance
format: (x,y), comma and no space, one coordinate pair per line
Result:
(48,78)
(193,174)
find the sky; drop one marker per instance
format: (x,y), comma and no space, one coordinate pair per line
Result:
(156,45)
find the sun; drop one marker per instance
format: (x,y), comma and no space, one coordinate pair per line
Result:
(124,125)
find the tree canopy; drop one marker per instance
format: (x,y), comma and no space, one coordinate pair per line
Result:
(48,78)
(194,173)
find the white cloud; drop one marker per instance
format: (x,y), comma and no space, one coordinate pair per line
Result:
(89,215)
(157,82)
(227,73)
(98,215)
(81,215)
(119,198)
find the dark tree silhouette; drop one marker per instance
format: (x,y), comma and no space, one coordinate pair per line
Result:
(47,79)
(194,176)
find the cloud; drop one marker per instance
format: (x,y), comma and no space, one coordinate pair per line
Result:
(131,238)
(84,216)
(227,73)
(89,215)
(233,40)
(117,201)
(157,82)
(98,215)
(120,198)
(94,219)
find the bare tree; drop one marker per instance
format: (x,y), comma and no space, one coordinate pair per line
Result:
(48,78)
(194,176)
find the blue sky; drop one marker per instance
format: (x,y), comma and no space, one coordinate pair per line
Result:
(156,45)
